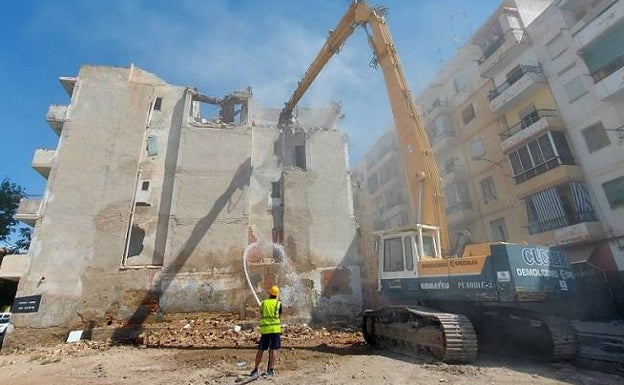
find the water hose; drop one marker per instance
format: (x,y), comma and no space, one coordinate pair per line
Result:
(247,272)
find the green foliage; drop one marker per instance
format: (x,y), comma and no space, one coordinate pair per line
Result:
(10,196)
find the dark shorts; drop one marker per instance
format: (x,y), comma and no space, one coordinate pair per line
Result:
(270,341)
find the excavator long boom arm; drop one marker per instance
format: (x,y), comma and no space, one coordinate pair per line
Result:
(332,46)
(423,178)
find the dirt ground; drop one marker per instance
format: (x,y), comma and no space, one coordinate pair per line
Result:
(338,363)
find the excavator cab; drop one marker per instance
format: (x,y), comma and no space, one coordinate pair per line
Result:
(400,250)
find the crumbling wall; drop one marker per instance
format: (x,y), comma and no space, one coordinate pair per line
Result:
(150,207)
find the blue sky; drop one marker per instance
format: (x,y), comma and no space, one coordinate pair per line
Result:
(217,46)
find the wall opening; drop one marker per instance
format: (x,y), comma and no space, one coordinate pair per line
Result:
(157,104)
(210,111)
(300,158)
(277,212)
(135,247)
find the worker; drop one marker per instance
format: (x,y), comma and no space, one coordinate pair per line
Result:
(270,329)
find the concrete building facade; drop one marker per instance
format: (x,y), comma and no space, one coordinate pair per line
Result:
(151,204)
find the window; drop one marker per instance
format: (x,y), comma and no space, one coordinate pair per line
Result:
(596,137)
(614,190)
(575,88)
(300,157)
(514,74)
(528,116)
(499,230)
(540,155)
(556,46)
(604,55)
(409,255)
(468,114)
(393,255)
(477,150)
(157,104)
(275,190)
(145,185)
(488,189)
(152,145)
(457,197)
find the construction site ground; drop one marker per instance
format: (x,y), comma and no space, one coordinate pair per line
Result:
(219,351)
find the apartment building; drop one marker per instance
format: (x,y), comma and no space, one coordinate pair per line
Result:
(156,191)
(581,46)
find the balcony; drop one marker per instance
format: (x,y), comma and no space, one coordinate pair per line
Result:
(438,106)
(56,117)
(555,175)
(610,80)
(443,139)
(14,266)
(43,160)
(575,228)
(68,83)
(583,231)
(502,51)
(570,219)
(522,81)
(534,124)
(28,211)
(596,22)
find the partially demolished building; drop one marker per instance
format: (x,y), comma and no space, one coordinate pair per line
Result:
(151,204)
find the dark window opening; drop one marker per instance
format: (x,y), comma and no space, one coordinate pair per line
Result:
(499,230)
(595,137)
(468,114)
(275,190)
(488,189)
(614,190)
(300,157)
(136,241)
(145,186)
(157,104)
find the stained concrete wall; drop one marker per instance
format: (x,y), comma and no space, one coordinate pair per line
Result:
(207,197)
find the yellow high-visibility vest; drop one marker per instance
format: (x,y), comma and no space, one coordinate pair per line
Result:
(270,321)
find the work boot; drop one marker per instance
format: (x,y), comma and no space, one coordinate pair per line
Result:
(254,373)
(271,372)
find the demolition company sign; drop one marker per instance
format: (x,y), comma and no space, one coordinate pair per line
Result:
(543,263)
(533,256)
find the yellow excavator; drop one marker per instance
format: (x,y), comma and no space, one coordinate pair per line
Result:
(437,302)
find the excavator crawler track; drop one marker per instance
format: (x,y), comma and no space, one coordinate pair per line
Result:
(415,330)
(564,338)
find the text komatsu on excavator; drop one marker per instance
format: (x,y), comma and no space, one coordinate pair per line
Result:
(434,302)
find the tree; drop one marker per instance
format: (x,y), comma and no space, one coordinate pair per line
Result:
(10,196)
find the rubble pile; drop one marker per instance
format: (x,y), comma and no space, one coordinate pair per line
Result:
(224,331)
(49,354)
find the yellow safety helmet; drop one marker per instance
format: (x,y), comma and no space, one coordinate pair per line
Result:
(274,291)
